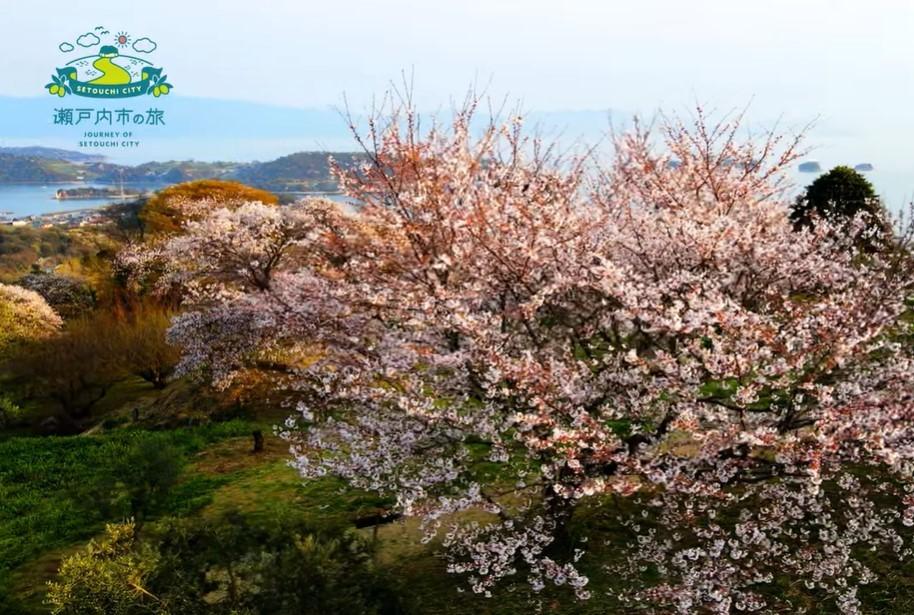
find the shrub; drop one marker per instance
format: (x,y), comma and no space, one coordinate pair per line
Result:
(75,368)
(9,411)
(106,578)
(140,336)
(134,482)
(228,565)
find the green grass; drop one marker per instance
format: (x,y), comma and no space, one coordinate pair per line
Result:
(40,477)
(40,524)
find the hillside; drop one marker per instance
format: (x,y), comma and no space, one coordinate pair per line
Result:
(51,153)
(299,171)
(302,171)
(33,169)
(172,172)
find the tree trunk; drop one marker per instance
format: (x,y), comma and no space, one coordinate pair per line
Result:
(559,511)
(258,441)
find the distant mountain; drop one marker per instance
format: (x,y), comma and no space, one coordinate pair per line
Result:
(32,169)
(302,171)
(50,153)
(170,172)
(296,172)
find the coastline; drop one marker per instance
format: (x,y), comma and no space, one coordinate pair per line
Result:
(107,206)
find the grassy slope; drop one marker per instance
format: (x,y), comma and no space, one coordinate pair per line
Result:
(40,513)
(40,524)
(36,473)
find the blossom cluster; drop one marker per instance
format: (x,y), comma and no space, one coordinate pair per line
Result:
(25,316)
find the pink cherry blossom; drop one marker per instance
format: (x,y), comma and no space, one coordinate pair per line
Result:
(640,329)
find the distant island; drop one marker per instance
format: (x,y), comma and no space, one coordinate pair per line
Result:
(94,193)
(299,172)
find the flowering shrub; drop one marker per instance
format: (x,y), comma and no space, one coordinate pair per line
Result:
(24,316)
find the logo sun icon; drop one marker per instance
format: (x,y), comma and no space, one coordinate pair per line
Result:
(123,39)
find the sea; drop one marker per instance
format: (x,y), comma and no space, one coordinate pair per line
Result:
(21,200)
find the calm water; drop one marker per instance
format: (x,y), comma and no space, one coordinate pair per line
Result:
(31,199)
(896,189)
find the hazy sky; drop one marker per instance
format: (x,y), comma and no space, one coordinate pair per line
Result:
(808,56)
(849,62)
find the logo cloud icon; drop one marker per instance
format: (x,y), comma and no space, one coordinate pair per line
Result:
(65,47)
(144,45)
(88,40)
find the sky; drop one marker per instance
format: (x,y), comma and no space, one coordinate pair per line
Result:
(847,64)
(809,56)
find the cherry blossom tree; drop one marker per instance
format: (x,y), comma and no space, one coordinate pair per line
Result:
(652,329)
(24,317)
(168,209)
(222,266)
(69,297)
